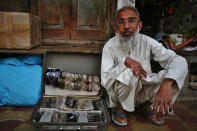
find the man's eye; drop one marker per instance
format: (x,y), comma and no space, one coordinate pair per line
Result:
(121,21)
(131,20)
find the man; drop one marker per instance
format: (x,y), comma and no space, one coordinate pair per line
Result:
(126,73)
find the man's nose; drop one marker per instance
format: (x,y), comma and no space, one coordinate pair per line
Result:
(126,25)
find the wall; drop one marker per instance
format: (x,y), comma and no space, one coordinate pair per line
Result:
(14,5)
(169,16)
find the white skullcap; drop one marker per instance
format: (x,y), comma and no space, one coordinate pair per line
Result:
(122,3)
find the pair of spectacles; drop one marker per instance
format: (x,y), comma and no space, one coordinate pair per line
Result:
(130,21)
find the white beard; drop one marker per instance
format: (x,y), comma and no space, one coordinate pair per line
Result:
(128,43)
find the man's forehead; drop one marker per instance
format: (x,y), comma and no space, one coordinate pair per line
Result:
(127,13)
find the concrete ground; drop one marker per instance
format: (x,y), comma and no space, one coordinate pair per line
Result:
(184,119)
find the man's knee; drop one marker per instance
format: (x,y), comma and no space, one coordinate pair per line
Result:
(123,91)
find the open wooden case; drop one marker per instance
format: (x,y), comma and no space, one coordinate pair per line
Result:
(66,106)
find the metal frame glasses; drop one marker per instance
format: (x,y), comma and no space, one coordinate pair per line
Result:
(130,21)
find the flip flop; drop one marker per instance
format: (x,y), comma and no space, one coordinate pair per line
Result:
(153,122)
(122,116)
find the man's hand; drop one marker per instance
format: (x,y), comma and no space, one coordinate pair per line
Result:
(138,71)
(163,99)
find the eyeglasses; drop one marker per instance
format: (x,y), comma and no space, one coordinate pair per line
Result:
(130,21)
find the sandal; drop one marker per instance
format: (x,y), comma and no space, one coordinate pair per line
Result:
(122,116)
(147,110)
(151,120)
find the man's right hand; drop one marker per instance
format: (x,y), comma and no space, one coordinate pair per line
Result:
(138,71)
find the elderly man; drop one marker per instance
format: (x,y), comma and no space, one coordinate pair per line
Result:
(126,72)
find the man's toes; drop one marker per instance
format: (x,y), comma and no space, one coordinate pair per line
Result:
(120,120)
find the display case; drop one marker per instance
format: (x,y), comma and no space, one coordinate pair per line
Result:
(71,93)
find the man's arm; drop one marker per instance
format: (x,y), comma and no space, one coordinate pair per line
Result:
(176,67)
(109,68)
(164,97)
(112,69)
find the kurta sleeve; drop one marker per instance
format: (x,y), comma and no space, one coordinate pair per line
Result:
(175,65)
(110,68)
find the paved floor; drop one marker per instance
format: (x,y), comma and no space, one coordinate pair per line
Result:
(184,119)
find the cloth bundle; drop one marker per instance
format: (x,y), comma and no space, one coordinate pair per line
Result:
(20,80)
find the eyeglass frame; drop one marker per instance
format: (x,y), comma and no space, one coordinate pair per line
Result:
(133,19)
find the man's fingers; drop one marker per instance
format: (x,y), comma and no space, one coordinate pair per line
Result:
(155,107)
(144,73)
(161,110)
(135,73)
(170,106)
(166,109)
(138,73)
(141,72)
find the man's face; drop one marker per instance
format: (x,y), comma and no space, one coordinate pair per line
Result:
(127,23)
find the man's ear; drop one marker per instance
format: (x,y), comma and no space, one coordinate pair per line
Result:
(140,25)
(115,28)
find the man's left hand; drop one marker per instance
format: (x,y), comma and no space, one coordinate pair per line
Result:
(163,99)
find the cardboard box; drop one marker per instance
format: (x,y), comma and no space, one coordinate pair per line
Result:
(19,30)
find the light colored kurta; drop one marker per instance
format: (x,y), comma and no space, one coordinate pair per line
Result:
(113,68)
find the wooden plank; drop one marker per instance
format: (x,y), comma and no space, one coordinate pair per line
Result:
(43,49)
(51,13)
(55,18)
(73,49)
(74,43)
(88,20)
(111,6)
(35,32)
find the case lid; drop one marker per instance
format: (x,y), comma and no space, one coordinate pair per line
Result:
(73,63)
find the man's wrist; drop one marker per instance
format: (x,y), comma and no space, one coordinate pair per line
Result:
(168,82)
(127,59)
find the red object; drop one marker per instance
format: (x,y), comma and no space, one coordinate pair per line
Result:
(174,47)
(170,10)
